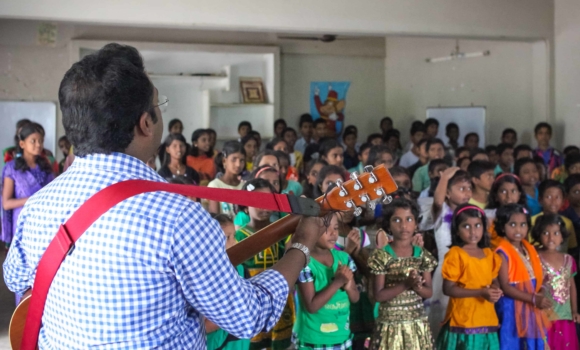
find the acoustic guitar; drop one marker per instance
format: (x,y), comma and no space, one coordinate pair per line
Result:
(362,190)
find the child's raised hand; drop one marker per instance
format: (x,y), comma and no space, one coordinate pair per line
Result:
(449,172)
(353,241)
(382,239)
(343,274)
(413,280)
(491,294)
(542,302)
(418,240)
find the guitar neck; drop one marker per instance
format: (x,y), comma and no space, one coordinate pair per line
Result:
(263,239)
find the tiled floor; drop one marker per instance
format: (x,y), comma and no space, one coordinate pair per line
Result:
(6,308)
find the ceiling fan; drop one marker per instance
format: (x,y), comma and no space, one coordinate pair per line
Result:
(326,38)
(457,55)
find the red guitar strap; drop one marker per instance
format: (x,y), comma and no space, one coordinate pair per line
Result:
(68,233)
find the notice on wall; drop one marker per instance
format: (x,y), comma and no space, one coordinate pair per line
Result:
(46,34)
(328,101)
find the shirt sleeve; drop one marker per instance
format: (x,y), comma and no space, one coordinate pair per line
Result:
(496,265)
(212,285)
(417,181)
(17,273)
(452,266)
(306,275)
(378,262)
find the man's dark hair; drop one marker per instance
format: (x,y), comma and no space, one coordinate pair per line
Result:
(245,123)
(508,131)
(479,167)
(416,127)
(542,125)
(451,126)
(305,118)
(102,98)
(431,121)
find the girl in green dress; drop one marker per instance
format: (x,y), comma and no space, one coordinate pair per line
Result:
(326,288)
(402,279)
(280,336)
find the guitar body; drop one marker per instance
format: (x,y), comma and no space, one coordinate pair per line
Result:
(354,194)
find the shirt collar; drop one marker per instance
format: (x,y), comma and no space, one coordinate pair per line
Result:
(118,163)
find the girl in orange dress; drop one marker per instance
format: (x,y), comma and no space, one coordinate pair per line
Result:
(470,271)
(201,155)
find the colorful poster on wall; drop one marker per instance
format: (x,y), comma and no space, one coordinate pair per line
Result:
(328,101)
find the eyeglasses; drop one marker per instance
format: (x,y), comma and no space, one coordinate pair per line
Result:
(161,101)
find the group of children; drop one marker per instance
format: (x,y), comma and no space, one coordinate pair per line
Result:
(478,250)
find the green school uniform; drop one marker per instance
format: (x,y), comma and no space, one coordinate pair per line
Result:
(330,325)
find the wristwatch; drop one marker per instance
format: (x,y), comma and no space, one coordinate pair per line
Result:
(304,249)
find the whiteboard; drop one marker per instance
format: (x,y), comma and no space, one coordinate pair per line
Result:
(43,113)
(469,119)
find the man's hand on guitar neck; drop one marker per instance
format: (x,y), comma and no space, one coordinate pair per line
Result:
(307,233)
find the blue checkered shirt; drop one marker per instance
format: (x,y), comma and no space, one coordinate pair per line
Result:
(143,274)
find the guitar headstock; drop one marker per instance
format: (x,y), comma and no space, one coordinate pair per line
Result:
(361,190)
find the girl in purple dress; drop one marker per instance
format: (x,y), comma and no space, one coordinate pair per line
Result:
(23,176)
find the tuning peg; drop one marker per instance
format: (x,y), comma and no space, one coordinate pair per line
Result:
(342,191)
(372,205)
(379,191)
(387,199)
(350,204)
(357,184)
(372,178)
(365,198)
(357,211)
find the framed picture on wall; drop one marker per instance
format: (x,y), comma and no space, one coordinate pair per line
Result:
(252,90)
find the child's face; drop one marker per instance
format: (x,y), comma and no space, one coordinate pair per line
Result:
(508,193)
(281,146)
(177,128)
(329,180)
(176,149)
(212,139)
(243,130)
(33,144)
(509,138)
(529,174)
(279,128)
(335,156)
(453,134)
(432,130)
(436,151)
(320,130)
(438,170)
(485,181)
(574,169)
(543,136)
(251,147)
(402,181)
(459,193)
(203,143)
(64,147)
(517,228)
(364,156)
(230,233)
(471,231)
(464,164)
(402,224)
(284,168)
(416,137)
(346,216)
(273,178)
(386,125)
(472,142)
(393,143)
(290,138)
(328,239)
(377,141)
(463,154)
(493,157)
(552,238)
(552,200)
(350,140)
(306,129)
(270,160)
(257,214)
(313,174)
(386,159)
(574,196)
(234,163)
(507,158)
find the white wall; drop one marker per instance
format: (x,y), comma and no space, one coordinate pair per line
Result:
(365,102)
(506,82)
(567,62)
(491,18)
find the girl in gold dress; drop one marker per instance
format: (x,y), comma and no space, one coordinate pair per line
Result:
(401,281)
